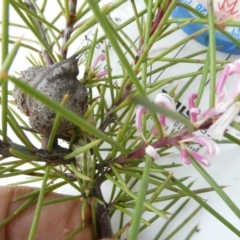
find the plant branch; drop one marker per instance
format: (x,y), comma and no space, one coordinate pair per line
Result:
(70,20)
(103,221)
(56,157)
(46,56)
(163,142)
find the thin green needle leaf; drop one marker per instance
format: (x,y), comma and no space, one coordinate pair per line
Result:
(84,208)
(23,207)
(67,179)
(61,199)
(22,155)
(183,223)
(135,197)
(159,234)
(110,80)
(27,46)
(191,233)
(146,40)
(39,18)
(19,132)
(23,122)
(106,9)
(203,80)
(125,211)
(49,188)
(134,229)
(31,180)
(82,149)
(49,26)
(11,56)
(94,221)
(36,217)
(43,6)
(11,167)
(78,230)
(4,49)
(119,139)
(90,110)
(157,33)
(118,176)
(186,86)
(159,189)
(212,52)
(33,30)
(205,205)
(232,138)
(56,125)
(136,16)
(79,174)
(217,188)
(88,69)
(105,25)
(66,11)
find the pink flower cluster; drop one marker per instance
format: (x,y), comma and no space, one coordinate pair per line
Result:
(224,112)
(165,100)
(226,108)
(162,99)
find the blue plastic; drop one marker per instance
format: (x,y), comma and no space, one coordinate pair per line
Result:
(226,45)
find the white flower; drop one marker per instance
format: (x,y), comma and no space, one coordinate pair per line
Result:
(218,128)
(152,152)
(165,100)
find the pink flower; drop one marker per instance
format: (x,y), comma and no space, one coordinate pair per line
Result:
(193,111)
(200,159)
(103,73)
(161,99)
(224,101)
(229,69)
(100,57)
(212,149)
(184,156)
(139,112)
(191,99)
(197,156)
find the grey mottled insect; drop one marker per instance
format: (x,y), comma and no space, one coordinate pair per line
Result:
(54,81)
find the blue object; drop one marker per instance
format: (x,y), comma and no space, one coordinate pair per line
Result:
(226,45)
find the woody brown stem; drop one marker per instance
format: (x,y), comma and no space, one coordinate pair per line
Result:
(48,60)
(66,33)
(56,157)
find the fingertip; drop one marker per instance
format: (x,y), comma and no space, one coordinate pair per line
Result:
(56,221)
